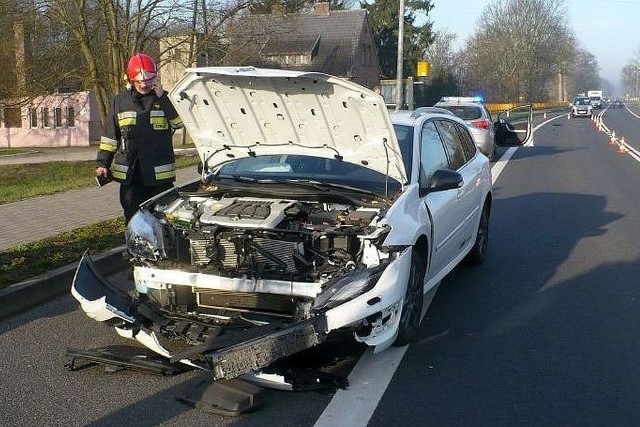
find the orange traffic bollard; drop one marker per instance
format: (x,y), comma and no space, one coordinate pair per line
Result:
(623,147)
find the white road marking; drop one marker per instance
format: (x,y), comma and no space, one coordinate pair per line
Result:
(367,383)
(372,374)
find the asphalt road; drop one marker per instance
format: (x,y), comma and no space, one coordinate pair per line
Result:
(544,333)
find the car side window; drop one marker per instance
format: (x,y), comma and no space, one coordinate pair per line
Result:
(467,142)
(452,143)
(432,154)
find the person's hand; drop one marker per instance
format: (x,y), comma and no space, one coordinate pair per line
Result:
(102,171)
(157,88)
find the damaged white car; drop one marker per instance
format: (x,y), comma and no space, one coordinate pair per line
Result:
(316,211)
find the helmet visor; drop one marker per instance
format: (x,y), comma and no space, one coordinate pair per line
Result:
(144,76)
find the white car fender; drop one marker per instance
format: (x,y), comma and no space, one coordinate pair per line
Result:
(408,219)
(388,294)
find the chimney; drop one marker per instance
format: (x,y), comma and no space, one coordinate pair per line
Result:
(277,9)
(322,8)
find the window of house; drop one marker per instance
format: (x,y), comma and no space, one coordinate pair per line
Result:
(57,117)
(33,118)
(71,117)
(44,117)
(293,59)
(12,117)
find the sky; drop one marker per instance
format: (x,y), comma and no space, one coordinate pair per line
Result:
(609,29)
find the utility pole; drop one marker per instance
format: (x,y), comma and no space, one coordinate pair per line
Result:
(400,56)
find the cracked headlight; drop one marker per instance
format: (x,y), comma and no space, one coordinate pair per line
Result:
(144,237)
(347,287)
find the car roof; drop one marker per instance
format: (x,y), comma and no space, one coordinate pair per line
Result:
(437,110)
(408,118)
(460,100)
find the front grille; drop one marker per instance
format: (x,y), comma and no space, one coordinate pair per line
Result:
(199,251)
(245,301)
(262,253)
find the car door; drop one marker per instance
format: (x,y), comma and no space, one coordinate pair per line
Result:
(452,211)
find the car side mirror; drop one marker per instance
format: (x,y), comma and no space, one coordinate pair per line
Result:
(514,127)
(441,180)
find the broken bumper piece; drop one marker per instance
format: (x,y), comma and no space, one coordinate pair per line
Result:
(260,352)
(118,357)
(98,297)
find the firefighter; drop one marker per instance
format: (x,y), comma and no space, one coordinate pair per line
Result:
(136,148)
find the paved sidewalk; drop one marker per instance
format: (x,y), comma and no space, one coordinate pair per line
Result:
(40,217)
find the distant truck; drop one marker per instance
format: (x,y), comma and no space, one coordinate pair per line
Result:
(596,98)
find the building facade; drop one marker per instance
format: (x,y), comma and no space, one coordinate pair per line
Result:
(61,120)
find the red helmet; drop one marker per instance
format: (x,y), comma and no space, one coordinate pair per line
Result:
(141,68)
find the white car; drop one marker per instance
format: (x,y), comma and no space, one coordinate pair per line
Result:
(581,107)
(315,212)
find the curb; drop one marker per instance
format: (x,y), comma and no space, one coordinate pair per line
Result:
(35,291)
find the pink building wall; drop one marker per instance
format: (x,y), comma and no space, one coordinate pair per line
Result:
(84,130)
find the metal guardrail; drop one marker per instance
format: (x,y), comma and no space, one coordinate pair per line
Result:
(498,107)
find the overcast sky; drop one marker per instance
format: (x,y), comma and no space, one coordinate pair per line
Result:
(609,29)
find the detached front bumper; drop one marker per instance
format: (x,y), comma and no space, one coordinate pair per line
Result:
(98,297)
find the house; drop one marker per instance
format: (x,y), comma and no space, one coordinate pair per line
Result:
(60,120)
(336,42)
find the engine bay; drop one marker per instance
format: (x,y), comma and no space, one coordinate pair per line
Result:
(263,238)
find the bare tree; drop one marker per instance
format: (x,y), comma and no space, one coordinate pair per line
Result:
(630,76)
(519,48)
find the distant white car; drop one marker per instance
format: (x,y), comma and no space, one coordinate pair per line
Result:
(581,107)
(316,212)
(475,113)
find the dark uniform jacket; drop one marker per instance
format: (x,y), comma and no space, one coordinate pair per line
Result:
(138,134)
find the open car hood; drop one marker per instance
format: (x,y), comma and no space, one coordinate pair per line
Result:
(235,112)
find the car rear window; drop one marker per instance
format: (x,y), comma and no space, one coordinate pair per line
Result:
(465,112)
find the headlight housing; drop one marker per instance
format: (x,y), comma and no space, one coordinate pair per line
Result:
(347,287)
(144,237)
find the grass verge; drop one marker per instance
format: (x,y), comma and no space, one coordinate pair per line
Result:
(23,262)
(38,179)
(19,182)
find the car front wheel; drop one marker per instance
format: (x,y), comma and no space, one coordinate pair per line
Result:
(413,299)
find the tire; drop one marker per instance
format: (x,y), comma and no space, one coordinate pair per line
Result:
(413,299)
(478,252)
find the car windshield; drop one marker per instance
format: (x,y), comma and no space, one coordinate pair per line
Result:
(282,167)
(581,101)
(465,112)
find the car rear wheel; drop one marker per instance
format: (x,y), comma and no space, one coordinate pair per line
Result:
(413,299)
(478,252)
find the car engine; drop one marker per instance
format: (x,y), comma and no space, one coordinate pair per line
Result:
(263,238)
